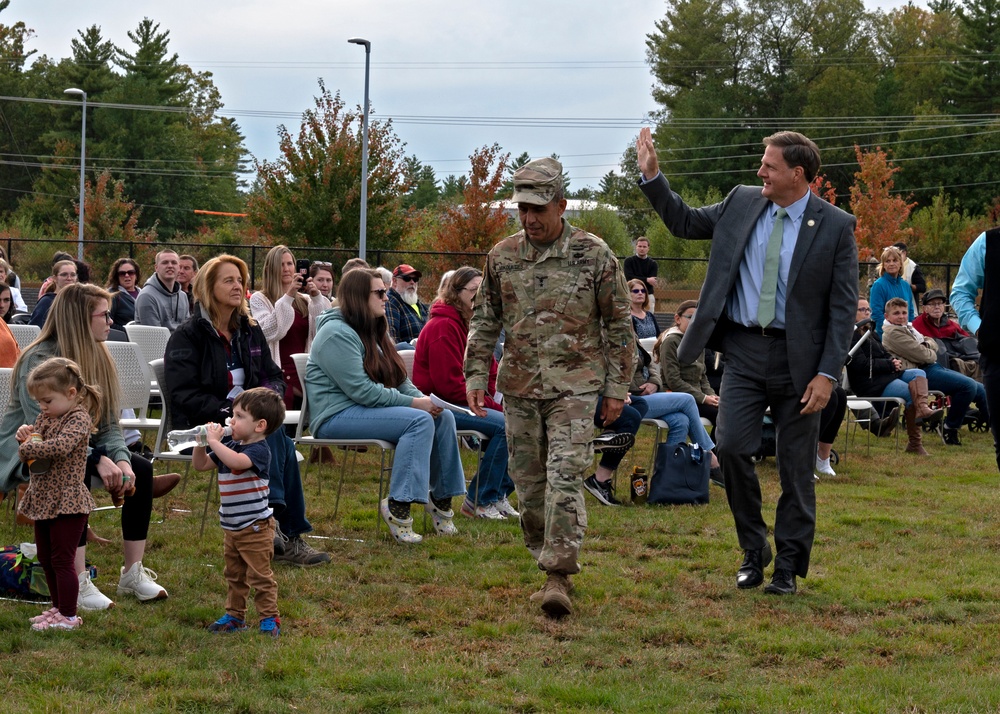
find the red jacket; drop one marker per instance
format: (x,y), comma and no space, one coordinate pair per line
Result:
(949,329)
(440,359)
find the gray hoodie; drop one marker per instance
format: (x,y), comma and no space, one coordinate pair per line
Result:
(158,306)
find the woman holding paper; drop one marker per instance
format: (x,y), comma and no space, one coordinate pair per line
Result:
(357,388)
(438,370)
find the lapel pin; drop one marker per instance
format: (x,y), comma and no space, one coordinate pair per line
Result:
(811,223)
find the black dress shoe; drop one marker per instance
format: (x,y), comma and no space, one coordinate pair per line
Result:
(782,583)
(751,573)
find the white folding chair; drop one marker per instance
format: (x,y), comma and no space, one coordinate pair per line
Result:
(24,335)
(134,379)
(302,439)
(152,341)
(865,405)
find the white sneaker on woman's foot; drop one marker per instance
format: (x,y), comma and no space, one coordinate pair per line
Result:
(505,509)
(141,582)
(823,467)
(90,598)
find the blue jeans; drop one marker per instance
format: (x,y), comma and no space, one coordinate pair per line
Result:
(628,421)
(680,411)
(285,486)
(426,459)
(962,390)
(899,389)
(491,482)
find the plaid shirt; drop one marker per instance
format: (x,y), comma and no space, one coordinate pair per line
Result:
(404,322)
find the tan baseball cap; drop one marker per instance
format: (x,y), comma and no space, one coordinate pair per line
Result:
(537,181)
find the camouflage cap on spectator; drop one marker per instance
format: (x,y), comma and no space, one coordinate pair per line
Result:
(537,181)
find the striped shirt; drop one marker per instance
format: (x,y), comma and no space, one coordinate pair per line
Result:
(243,494)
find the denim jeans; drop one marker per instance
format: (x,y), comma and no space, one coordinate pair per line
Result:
(899,387)
(491,482)
(628,421)
(680,411)
(426,459)
(285,486)
(962,390)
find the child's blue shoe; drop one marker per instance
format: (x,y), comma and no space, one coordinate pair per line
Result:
(227,623)
(271,626)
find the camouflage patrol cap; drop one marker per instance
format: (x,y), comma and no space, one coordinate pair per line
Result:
(537,181)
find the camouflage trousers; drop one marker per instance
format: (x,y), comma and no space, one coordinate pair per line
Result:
(550,442)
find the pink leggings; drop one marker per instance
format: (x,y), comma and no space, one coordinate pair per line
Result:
(56,540)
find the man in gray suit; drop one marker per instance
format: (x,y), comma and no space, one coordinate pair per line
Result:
(779,301)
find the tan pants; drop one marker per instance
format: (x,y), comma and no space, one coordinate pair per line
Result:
(247,554)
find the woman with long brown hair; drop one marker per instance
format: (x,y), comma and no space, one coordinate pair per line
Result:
(77,326)
(124,280)
(358,388)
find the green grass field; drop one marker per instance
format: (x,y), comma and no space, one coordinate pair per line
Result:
(900,612)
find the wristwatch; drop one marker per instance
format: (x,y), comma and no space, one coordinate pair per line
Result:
(833,382)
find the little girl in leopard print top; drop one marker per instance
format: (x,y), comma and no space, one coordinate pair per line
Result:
(58,500)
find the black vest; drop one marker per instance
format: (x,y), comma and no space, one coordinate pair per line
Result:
(989,306)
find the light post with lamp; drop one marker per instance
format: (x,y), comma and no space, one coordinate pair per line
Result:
(83,159)
(364,150)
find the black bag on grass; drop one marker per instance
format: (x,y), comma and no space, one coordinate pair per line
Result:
(680,475)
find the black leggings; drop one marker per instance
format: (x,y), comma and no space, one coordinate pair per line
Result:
(138,507)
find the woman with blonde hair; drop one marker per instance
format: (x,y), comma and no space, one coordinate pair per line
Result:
(218,353)
(286,316)
(77,327)
(891,283)
(15,294)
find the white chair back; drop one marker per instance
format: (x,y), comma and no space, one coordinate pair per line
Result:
(24,334)
(647,344)
(408,357)
(134,375)
(152,339)
(6,377)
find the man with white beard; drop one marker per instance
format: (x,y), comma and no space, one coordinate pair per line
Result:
(404,311)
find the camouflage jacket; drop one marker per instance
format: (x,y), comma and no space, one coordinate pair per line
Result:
(566,315)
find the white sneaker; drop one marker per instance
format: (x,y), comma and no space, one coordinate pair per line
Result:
(823,467)
(90,598)
(141,582)
(489,511)
(505,509)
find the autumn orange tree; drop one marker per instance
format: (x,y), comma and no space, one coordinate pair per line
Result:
(311,195)
(109,218)
(477,224)
(880,215)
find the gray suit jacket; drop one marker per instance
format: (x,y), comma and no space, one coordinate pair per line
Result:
(822,290)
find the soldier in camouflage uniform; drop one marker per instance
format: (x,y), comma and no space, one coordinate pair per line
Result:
(560,294)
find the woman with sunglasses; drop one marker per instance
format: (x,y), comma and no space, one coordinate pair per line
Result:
(357,387)
(643,321)
(123,283)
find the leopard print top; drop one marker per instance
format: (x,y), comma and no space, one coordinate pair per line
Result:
(61,491)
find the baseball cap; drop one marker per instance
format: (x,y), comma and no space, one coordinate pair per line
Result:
(537,181)
(405,269)
(933,294)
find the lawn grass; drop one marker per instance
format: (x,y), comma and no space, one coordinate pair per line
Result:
(899,613)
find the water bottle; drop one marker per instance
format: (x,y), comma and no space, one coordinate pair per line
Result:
(640,486)
(37,467)
(181,439)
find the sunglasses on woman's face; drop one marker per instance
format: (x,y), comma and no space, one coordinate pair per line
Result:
(638,291)
(381,293)
(125,273)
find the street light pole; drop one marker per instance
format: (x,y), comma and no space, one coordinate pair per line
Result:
(364,150)
(83,160)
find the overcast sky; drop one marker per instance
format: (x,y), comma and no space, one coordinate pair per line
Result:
(568,63)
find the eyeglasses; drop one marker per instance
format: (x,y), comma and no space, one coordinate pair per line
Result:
(638,291)
(106,315)
(864,309)
(688,317)
(409,278)
(381,293)
(125,273)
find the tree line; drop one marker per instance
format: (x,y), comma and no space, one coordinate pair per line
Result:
(904,106)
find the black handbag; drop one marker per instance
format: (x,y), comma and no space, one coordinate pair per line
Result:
(680,475)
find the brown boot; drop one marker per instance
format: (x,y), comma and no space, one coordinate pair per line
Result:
(887,424)
(555,596)
(164,484)
(918,392)
(915,439)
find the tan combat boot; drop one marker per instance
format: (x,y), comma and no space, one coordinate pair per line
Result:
(555,595)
